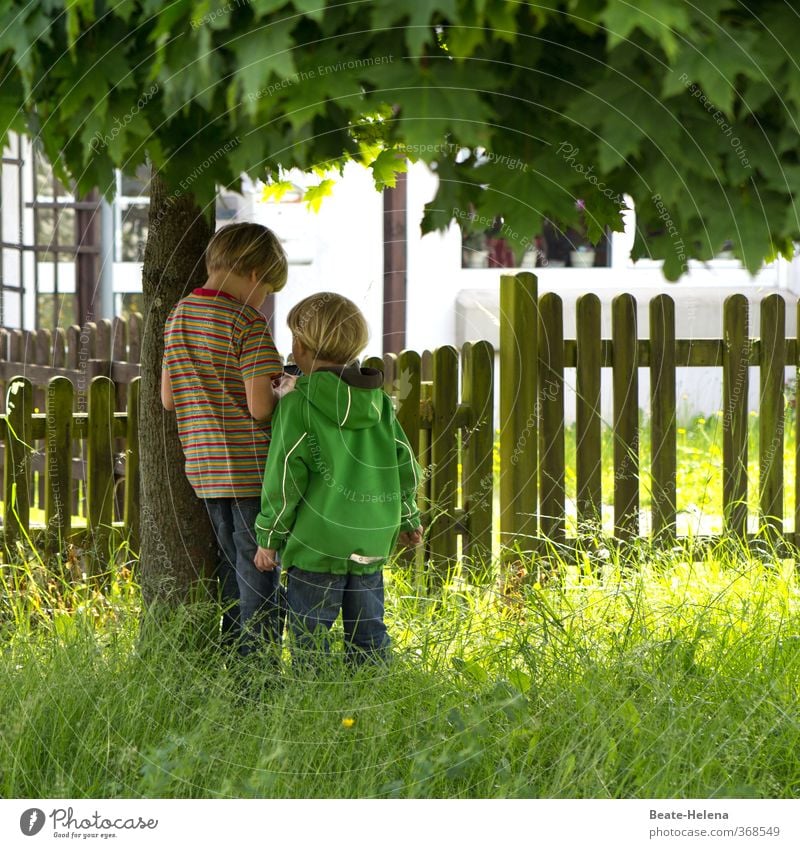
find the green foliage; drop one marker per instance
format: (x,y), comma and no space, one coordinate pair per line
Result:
(692,105)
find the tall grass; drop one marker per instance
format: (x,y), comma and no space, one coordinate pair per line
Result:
(674,679)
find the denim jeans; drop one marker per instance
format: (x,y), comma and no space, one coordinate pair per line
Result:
(252,598)
(314,604)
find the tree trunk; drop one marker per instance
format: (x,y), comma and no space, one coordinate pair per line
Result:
(177,542)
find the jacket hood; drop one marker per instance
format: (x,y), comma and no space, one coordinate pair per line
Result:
(351,397)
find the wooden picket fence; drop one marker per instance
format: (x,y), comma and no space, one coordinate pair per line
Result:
(99,348)
(445,401)
(106,435)
(532,483)
(77,354)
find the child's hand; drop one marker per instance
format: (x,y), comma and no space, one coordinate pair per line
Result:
(284,384)
(411,538)
(266,559)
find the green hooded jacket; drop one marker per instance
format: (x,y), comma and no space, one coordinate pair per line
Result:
(341,479)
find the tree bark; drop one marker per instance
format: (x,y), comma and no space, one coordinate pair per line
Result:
(177,542)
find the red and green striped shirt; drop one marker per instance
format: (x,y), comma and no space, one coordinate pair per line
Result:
(212,344)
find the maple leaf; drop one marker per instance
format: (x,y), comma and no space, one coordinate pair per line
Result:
(385,168)
(316,194)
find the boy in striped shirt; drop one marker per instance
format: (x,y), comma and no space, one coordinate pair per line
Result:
(219,365)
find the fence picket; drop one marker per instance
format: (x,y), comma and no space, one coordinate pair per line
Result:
(104,340)
(736,383)
(119,339)
(134,337)
(407,392)
(44,346)
(796,364)
(389,371)
(626,417)
(59,347)
(15,346)
(550,403)
(58,467)
(373,362)
(73,345)
(425,460)
(426,364)
(100,463)
(18,473)
(477,394)
(588,453)
(132,513)
(444,458)
(772,364)
(663,447)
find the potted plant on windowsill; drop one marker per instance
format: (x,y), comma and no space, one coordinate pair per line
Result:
(474,250)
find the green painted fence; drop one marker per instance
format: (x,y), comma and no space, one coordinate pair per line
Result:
(445,401)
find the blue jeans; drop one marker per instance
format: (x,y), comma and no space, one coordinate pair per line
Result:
(314,604)
(251,598)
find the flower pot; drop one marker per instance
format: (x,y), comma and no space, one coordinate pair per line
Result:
(475,258)
(581,258)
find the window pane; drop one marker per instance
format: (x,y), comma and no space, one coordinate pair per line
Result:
(65,306)
(66,227)
(138,184)
(134,233)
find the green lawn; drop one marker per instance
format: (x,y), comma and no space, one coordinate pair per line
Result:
(674,679)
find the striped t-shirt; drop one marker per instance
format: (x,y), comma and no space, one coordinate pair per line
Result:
(212,344)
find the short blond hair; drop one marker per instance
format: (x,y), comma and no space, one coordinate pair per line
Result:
(331,326)
(243,248)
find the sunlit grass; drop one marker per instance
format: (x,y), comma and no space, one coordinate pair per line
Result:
(673,678)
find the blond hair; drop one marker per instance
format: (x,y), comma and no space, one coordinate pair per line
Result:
(244,248)
(331,326)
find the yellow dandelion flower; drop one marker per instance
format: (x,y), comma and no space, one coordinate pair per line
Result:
(701,421)
(348,722)
(681,431)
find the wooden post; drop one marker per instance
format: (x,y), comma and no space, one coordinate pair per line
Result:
(395,263)
(518,420)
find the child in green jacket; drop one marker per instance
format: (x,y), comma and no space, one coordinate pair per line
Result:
(340,483)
